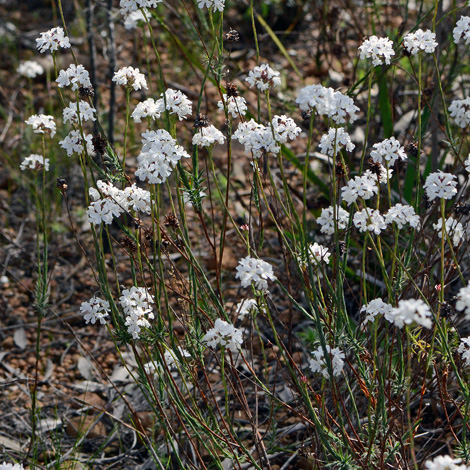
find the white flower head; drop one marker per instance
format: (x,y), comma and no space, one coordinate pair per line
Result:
(214,5)
(360,187)
(377,307)
(420,41)
(317,254)
(136,303)
(444,462)
(253,270)
(412,311)
(71,112)
(51,40)
(76,76)
(176,102)
(95,309)
(256,138)
(463,301)
(263,77)
(462,30)
(208,137)
(464,350)
(440,185)
(334,141)
(380,50)
(454,229)
(284,129)
(401,215)
(389,150)
(130,77)
(73,143)
(225,335)
(369,220)
(103,211)
(236,105)
(133,19)
(130,6)
(246,307)
(327,219)
(35,162)
(42,124)
(460,112)
(11,466)
(148,108)
(319,363)
(30,69)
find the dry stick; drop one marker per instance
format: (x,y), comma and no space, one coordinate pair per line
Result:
(112,68)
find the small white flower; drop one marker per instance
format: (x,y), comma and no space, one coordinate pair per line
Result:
(317,254)
(208,136)
(42,124)
(334,141)
(319,363)
(467,164)
(460,111)
(73,143)
(454,229)
(253,270)
(225,335)
(136,198)
(130,77)
(383,174)
(326,220)
(87,113)
(148,108)
(377,49)
(369,220)
(129,6)
(52,40)
(463,301)
(136,303)
(440,185)
(256,138)
(215,5)
(75,75)
(420,41)
(95,309)
(462,30)
(134,18)
(284,129)
(246,307)
(264,77)
(30,69)
(177,103)
(11,466)
(444,462)
(377,307)
(412,311)
(35,162)
(236,105)
(360,187)
(389,150)
(402,215)
(103,211)
(464,350)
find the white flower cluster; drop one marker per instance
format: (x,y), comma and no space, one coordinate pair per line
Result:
(132,19)
(369,220)
(246,307)
(212,4)
(225,335)
(11,466)
(389,150)
(148,108)
(73,143)
(440,185)
(412,311)
(460,111)
(360,187)
(30,69)
(208,136)
(115,202)
(445,462)
(129,6)
(137,306)
(130,77)
(42,124)
(327,102)
(160,154)
(85,112)
(284,129)
(463,301)
(464,350)
(177,103)
(256,138)
(327,222)
(75,75)
(401,215)
(334,141)
(462,30)
(236,105)
(35,162)
(377,307)
(317,254)
(454,229)
(382,177)
(95,309)
(420,41)
(52,40)
(319,363)
(253,270)
(263,77)
(377,49)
